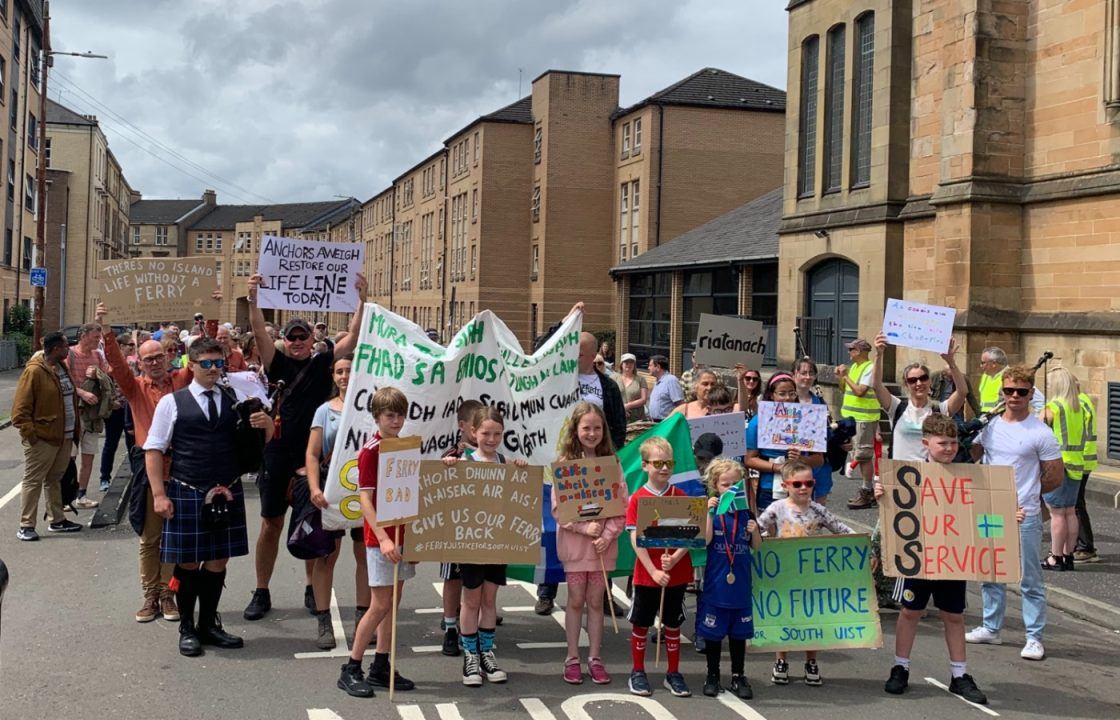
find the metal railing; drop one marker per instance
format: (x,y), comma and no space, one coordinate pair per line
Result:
(818,340)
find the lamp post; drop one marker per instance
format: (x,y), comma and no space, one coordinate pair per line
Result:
(41,210)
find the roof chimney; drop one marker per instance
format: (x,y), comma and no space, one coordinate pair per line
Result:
(210,198)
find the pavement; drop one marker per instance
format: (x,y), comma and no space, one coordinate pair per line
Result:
(70,643)
(8,381)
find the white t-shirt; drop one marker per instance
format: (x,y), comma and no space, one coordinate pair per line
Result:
(906,434)
(591,389)
(1022,445)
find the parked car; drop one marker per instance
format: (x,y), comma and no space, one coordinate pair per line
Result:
(71,332)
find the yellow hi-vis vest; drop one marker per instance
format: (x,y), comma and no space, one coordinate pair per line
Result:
(1090,432)
(860,409)
(1069,430)
(990,388)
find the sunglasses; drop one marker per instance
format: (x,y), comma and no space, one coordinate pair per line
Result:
(207,364)
(917,379)
(1021,392)
(297,337)
(752,378)
(154,358)
(661,464)
(798,484)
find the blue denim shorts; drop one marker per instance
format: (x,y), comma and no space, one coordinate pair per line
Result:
(1066,494)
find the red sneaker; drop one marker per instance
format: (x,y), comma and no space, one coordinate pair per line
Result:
(572,673)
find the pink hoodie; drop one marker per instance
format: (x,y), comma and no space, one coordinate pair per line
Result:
(574,547)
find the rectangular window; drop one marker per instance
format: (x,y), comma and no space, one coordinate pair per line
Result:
(635,215)
(536,266)
(538,142)
(536,206)
(474,205)
(650,315)
(32,131)
(3,75)
(136,235)
(8,249)
(863,72)
(624,221)
(29,193)
(715,292)
(807,124)
(477,145)
(474,260)
(218,242)
(637,145)
(13,113)
(27,253)
(625,140)
(218,272)
(161,235)
(834,110)
(12,180)
(48,149)
(198,243)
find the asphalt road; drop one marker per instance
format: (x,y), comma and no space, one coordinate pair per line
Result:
(69,646)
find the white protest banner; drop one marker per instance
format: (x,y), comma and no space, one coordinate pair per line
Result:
(309,275)
(785,426)
(484,362)
(398,481)
(144,289)
(724,341)
(730,427)
(916,325)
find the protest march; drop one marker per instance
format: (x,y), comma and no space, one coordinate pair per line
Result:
(500,466)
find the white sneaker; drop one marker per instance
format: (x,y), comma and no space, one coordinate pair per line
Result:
(85,503)
(983,636)
(1033,650)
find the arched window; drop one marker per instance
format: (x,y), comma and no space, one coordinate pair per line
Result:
(807,126)
(862,86)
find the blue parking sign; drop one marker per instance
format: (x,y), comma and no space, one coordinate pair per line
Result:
(39,277)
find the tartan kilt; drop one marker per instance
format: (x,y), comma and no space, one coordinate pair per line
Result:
(184,538)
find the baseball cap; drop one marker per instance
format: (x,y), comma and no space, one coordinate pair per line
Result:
(627,356)
(859,344)
(296,323)
(708,446)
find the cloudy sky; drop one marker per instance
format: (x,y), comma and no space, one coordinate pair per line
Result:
(292,100)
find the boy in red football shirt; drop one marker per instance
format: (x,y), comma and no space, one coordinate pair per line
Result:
(383,551)
(656,569)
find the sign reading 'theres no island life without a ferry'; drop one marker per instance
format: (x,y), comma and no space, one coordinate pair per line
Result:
(724,341)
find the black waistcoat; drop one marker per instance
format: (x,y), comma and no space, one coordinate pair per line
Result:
(202,454)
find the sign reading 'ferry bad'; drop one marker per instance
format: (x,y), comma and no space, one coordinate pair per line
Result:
(724,341)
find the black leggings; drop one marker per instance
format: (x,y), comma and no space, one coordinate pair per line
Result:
(714,648)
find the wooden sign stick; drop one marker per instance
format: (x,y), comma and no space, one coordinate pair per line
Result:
(660,628)
(393,632)
(609,599)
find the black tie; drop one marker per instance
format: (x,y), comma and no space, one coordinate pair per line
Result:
(211,407)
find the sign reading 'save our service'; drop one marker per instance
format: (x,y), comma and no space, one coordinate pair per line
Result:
(309,275)
(143,289)
(724,341)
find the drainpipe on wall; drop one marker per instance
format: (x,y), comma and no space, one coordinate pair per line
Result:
(660,167)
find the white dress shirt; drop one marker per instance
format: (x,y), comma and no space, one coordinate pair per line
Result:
(163,422)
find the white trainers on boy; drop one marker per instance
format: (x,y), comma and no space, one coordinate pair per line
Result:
(1033,650)
(983,636)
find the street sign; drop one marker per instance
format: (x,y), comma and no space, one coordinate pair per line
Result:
(39,277)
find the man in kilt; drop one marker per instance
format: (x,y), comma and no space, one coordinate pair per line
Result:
(202,502)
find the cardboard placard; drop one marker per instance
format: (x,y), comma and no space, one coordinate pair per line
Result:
(949,522)
(309,275)
(589,489)
(724,341)
(672,522)
(398,481)
(150,289)
(799,426)
(474,512)
(730,427)
(917,325)
(814,593)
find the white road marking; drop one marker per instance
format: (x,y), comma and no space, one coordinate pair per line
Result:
(426,648)
(548,645)
(943,686)
(517,608)
(410,712)
(10,494)
(573,707)
(448,711)
(537,709)
(619,595)
(428,611)
(739,707)
(322,714)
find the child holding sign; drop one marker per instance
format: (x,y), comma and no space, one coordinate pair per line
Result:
(478,617)
(587,548)
(383,551)
(726,607)
(798,516)
(654,570)
(939,440)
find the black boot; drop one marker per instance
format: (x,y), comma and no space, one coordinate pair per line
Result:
(186,590)
(210,630)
